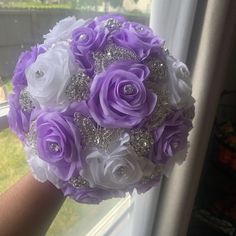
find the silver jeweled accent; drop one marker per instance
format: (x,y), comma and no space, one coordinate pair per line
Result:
(31,138)
(96,136)
(141,141)
(158,116)
(121,171)
(26,101)
(166,51)
(158,70)
(39,74)
(78,87)
(162,109)
(128,89)
(157,172)
(110,54)
(139,28)
(112,24)
(83,37)
(78,182)
(54,147)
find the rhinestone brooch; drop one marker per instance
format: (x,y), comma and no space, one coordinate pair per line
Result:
(78,182)
(112,24)
(99,137)
(112,53)
(141,141)
(78,87)
(26,101)
(157,69)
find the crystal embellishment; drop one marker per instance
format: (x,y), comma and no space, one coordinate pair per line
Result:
(54,147)
(141,141)
(139,28)
(39,74)
(129,89)
(110,54)
(162,108)
(78,182)
(78,87)
(96,136)
(83,37)
(121,171)
(26,101)
(112,24)
(157,172)
(157,68)
(31,138)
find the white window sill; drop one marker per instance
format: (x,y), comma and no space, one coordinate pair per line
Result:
(4,109)
(116,221)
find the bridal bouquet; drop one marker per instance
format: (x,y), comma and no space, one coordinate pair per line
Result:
(101,107)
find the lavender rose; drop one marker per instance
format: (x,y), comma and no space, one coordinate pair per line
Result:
(171,137)
(86,40)
(138,37)
(119,98)
(25,60)
(18,119)
(59,142)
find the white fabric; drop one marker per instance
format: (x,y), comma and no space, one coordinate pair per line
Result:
(49,74)
(179,84)
(62,30)
(102,169)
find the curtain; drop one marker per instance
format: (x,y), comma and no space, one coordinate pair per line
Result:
(208,54)
(167,19)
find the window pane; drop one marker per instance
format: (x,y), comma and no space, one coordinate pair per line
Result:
(22,24)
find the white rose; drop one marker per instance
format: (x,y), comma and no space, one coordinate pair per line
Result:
(179,83)
(40,169)
(48,75)
(62,30)
(116,170)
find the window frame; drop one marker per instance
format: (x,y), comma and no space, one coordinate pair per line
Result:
(4,109)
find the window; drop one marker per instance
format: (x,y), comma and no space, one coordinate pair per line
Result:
(22,24)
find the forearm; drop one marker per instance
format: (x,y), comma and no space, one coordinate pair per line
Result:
(29,207)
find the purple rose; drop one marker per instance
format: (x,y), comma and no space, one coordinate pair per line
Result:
(138,37)
(86,40)
(26,58)
(89,195)
(19,120)
(59,141)
(119,98)
(172,136)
